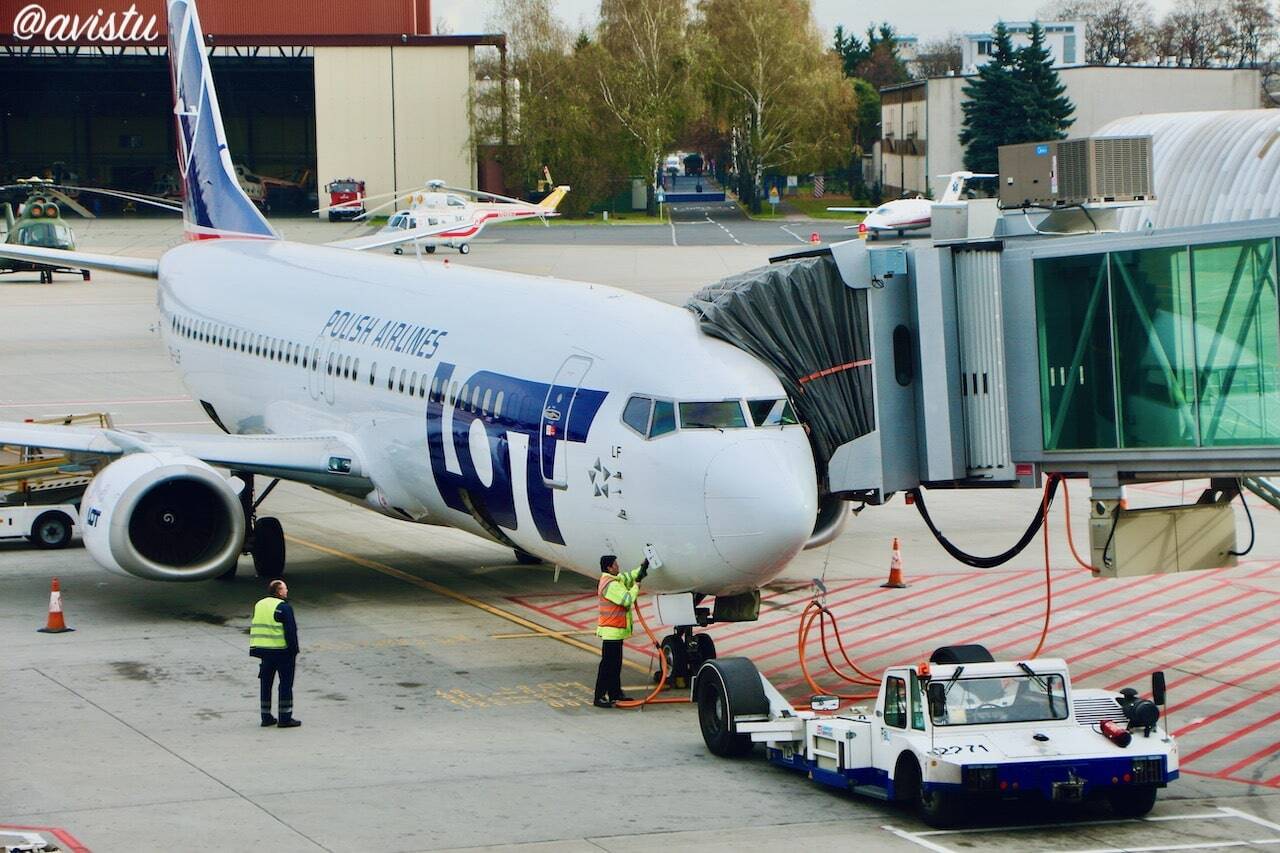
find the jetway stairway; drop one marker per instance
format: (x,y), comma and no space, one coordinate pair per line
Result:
(999,359)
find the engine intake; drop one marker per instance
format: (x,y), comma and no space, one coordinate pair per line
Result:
(163,517)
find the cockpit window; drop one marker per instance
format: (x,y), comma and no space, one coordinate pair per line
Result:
(772,412)
(718,414)
(454,201)
(636,414)
(664,418)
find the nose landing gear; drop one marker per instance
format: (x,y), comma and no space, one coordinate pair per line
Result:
(685,652)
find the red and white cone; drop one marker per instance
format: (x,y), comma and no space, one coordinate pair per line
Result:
(55,624)
(895,569)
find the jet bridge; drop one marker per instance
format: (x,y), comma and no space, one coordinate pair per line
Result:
(995,361)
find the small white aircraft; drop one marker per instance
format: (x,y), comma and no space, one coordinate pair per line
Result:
(561,420)
(450,216)
(908,214)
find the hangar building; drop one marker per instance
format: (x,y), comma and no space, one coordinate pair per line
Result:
(315,92)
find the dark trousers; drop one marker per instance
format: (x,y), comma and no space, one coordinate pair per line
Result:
(269,667)
(609,675)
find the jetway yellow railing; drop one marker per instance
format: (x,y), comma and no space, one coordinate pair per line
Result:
(26,473)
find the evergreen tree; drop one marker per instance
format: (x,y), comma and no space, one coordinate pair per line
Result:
(993,105)
(1047,108)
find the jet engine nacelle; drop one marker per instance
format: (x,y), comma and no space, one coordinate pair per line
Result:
(164,517)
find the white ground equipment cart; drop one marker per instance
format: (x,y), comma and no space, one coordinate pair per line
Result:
(43,525)
(959,728)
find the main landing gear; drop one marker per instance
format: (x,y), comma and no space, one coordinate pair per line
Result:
(264,537)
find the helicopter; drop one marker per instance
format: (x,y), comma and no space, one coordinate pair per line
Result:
(39,222)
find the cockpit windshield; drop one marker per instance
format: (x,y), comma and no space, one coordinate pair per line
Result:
(402,220)
(998,699)
(46,235)
(716,414)
(772,412)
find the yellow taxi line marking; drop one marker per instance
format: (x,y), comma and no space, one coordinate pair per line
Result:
(553,634)
(431,586)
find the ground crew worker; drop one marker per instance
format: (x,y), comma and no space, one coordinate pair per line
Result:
(273,639)
(618,591)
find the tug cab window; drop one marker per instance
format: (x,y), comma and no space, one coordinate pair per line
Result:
(718,414)
(766,413)
(895,703)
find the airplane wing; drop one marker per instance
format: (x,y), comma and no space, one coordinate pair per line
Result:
(851,209)
(319,459)
(382,239)
(144,267)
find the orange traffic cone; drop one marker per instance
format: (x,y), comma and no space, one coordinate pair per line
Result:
(895,569)
(56,624)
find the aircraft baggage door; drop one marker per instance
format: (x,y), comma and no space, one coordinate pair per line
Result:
(555,420)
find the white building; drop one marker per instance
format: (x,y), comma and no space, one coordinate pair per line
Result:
(920,121)
(1063,39)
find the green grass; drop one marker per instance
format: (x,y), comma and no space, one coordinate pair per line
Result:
(816,208)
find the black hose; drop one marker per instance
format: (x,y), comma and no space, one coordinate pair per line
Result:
(999,559)
(1253,533)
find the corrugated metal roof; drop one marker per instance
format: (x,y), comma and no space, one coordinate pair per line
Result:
(1207,167)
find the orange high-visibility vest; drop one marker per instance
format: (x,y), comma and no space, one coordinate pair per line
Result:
(611,615)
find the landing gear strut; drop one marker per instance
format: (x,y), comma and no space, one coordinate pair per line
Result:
(264,537)
(685,652)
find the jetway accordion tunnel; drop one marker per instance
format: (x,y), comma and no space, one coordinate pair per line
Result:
(992,362)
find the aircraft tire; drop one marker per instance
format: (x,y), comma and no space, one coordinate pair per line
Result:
(706,649)
(464,249)
(268,548)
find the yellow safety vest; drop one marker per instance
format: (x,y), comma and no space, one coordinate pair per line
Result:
(617,595)
(266,632)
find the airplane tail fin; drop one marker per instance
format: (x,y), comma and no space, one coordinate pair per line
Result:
(553,198)
(213,203)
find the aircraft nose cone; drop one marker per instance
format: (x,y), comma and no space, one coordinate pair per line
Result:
(761,500)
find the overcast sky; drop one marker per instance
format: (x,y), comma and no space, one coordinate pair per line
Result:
(927,19)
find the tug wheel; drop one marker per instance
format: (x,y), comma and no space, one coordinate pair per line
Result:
(1132,802)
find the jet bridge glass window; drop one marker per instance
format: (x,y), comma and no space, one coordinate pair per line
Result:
(765,413)
(718,414)
(1162,347)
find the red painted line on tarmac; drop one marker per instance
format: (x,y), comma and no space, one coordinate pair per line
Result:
(1273,782)
(1251,759)
(1234,736)
(1226,641)
(1257,696)
(794,618)
(1186,704)
(1166,642)
(907,629)
(789,634)
(1208,774)
(1106,593)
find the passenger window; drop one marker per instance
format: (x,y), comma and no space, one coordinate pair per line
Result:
(636,414)
(488,398)
(772,412)
(306,357)
(435,387)
(497,405)
(413,381)
(391,377)
(895,703)
(664,418)
(720,414)
(329,366)
(462,398)
(373,368)
(475,398)
(355,370)
(400,384)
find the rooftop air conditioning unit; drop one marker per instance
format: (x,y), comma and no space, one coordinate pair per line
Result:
(1072,172)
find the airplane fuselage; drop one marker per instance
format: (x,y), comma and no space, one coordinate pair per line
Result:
(493,403)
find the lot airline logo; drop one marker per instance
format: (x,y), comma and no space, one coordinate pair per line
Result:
(34,23)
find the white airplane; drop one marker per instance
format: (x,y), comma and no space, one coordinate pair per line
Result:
(908,214)
(451,217)
(561,420)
